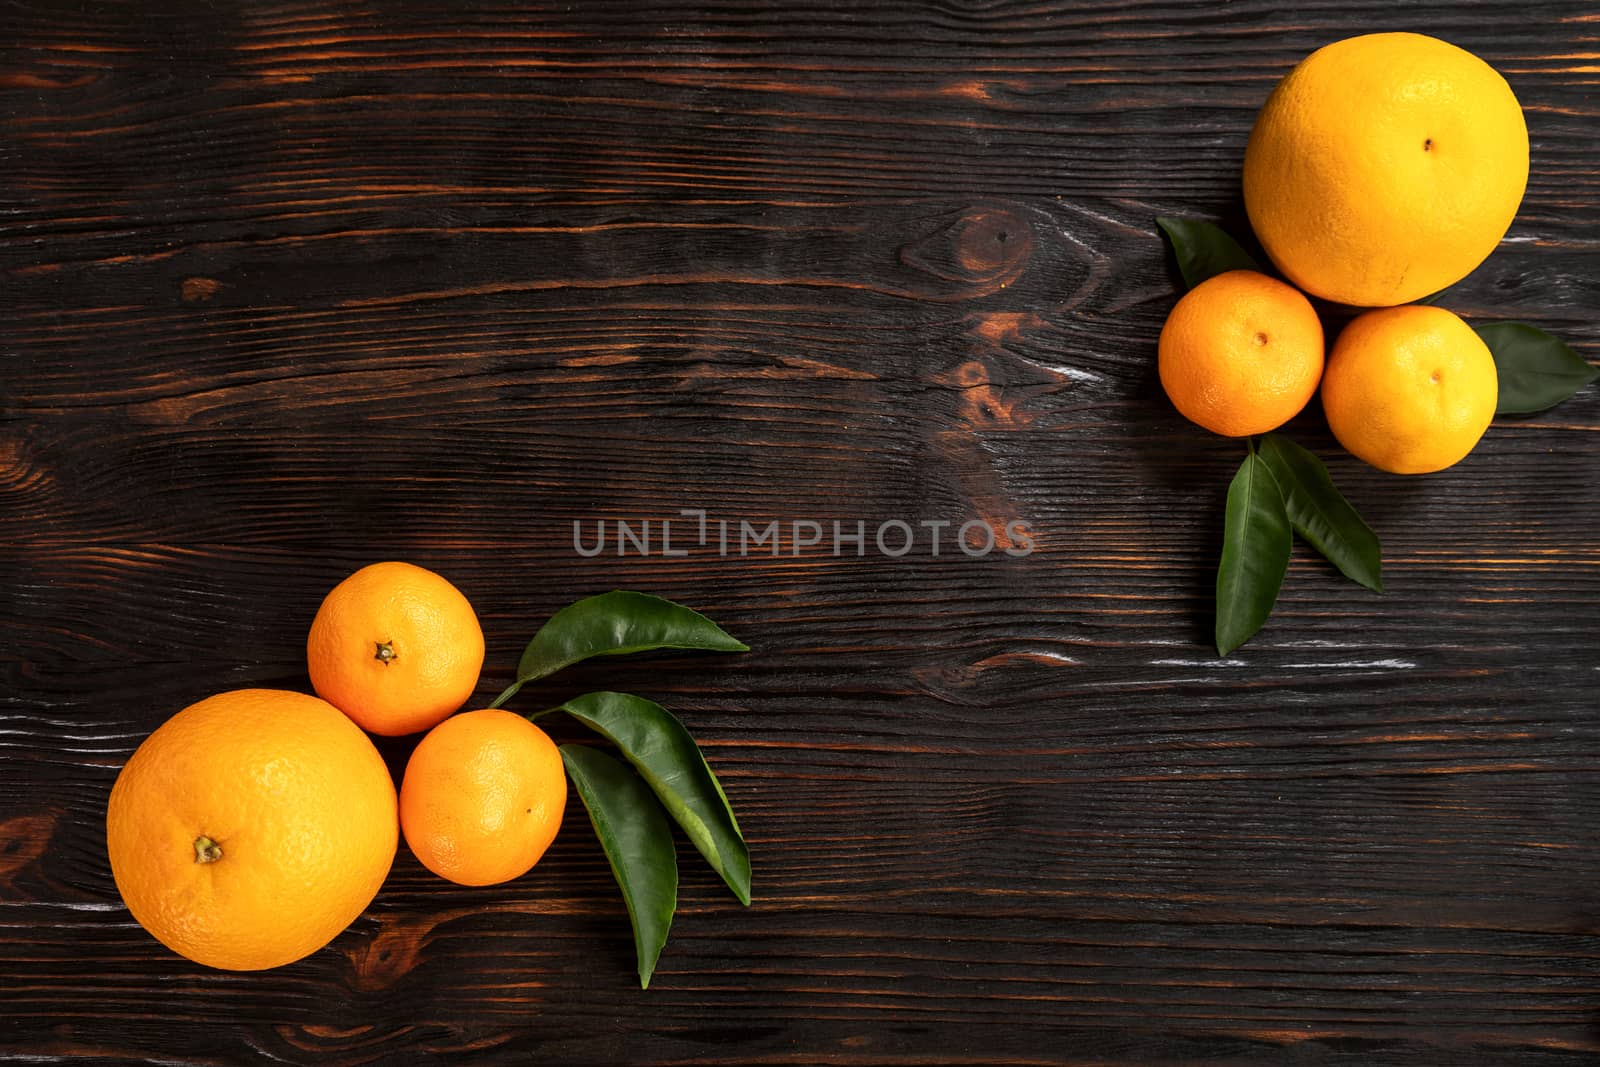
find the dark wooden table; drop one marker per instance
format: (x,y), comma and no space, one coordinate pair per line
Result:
(288,288)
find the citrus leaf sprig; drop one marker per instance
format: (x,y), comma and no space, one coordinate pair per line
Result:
(1204,250)
(1255,553)
(615,624)
(1281,487)
(638,843)
(1320,514)
(661,750)
(629,810)
(1536,371)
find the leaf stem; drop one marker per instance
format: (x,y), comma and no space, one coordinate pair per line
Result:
(506,694)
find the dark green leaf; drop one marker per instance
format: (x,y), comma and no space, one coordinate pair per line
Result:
(1537,371)
(1320,513)
(659,747)
(1255,554)
(1204,250)
(637,840)
(615,624)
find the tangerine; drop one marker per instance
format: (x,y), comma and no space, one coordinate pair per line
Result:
(396,647)
(482,797)
(1241,353)
(1410,389)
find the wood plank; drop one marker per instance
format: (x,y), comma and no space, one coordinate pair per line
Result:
(289,288)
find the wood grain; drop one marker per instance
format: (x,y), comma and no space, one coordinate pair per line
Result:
(291,287)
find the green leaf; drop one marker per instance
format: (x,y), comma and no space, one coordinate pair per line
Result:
(1204,250)
(662,751)
(1255,554)
(1320,513)
(615,624)
(1537,371)
(637,840)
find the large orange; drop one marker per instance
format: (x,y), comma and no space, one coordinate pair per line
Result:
(251,828)
(1241,353)
(395,647)
(1384,168)
(1409,389)
(483,797)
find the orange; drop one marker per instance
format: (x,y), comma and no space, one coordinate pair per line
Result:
(395,647)
(1409,389)
(483,797)
(1241,353)
(1384,168)
(251,828)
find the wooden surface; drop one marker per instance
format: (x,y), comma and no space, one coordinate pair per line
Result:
(287,288)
